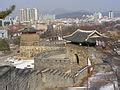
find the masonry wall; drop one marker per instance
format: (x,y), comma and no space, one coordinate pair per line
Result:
(83,53)
(51,78)
(29,39)
(5,81)
(15,79)
(56,62)
(31,51)
(64,67)
(74,61)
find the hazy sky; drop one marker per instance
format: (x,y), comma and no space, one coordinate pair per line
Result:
(71,5)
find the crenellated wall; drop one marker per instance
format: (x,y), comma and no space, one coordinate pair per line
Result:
(55,78)
(31,51)
(60,68)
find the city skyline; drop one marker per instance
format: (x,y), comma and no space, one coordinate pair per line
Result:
(94,5)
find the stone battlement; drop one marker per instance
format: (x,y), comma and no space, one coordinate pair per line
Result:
(52,43)
(55,59)
(56,72)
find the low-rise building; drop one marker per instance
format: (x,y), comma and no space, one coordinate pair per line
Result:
(4,34)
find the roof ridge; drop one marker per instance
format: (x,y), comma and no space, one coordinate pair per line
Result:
(79,30)
(87,31)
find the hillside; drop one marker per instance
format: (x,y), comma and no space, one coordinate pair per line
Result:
(77,14)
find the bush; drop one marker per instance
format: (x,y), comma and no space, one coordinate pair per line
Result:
(16,40)
(4,46)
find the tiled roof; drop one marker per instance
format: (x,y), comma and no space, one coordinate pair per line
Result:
(29,30)
(81,36)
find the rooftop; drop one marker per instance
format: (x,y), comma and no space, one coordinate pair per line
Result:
(28,30)
(83,36)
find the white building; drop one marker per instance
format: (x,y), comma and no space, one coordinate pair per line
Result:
(98,15)
(28,15)
(111,14)
(4,22)
(3,34)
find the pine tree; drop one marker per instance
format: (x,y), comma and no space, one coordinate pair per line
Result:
(8,11)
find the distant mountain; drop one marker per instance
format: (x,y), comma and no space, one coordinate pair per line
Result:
(76,14)
(80,13)
(58,11)
(117,14)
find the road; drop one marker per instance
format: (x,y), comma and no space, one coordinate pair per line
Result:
(3,58)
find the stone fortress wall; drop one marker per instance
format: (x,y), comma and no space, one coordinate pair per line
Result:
(5,78)
(29,39)
(12,78)
(60,71)
(54,59)
(31,51)
(58,67)
(72,60)
(53,78)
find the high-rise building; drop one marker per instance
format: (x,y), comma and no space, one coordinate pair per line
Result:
(111,14)
(28,15)
(98,15)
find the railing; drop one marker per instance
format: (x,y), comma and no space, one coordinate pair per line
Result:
(78,81)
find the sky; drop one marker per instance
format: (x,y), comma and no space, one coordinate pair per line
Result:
(71,5)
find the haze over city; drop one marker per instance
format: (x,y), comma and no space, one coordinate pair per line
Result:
(71,5)
(59,45)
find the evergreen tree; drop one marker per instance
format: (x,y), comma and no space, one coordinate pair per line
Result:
(8,11)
